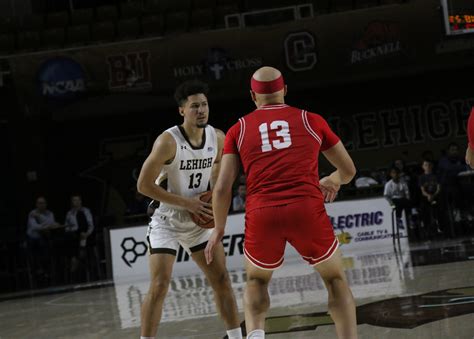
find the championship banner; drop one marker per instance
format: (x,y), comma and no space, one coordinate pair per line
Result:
(358,224)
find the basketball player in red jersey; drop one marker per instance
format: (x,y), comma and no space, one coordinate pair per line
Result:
(279,146)
(470,134)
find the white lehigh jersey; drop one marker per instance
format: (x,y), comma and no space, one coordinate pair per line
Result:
(190,171)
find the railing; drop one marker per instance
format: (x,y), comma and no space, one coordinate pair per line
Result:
(269,16)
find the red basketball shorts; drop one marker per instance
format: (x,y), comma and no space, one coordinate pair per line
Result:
(304,224)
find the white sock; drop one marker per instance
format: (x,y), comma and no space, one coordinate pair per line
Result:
(256,334)
(147,337)
(235,333)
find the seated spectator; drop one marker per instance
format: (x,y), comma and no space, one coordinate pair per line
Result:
(365,180)
(430,189)
(139,204)
(40,220)
(79,225)
(79,218)
(397,193)
(400,165)
(238,203)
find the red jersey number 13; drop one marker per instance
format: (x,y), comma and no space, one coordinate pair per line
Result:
(283,131)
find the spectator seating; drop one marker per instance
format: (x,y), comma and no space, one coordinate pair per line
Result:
(89,23)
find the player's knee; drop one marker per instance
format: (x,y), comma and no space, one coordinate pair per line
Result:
(256,295)
(257,282)
(159,288)
(334,280)
(221,281)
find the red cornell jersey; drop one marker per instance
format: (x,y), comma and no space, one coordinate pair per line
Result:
(279,147)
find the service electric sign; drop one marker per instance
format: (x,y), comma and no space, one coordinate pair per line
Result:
(356,223)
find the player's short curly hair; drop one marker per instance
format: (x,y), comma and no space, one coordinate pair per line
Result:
(190,87)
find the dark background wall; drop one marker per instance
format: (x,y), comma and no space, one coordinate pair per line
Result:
(413,97)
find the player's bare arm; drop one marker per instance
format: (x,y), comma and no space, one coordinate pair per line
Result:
(163,152)
(217,163)
(344,173)
(221,198)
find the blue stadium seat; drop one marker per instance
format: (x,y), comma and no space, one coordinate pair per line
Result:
(82,16)
(53,38)
(78,35)
(29,40)
(202,19)
(107,13)
(177,22)
(7,43)
(175,6)
(131,9)
(32,22)
(128,28)
(342,5)
(8,24)
(204,4)
(153,7)
(221,12)
(321,6)
(268,4)
(366,3)
(103,31)
(153,25)
(57,19)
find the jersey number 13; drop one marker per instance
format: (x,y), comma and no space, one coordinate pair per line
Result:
(282,130)
(195,180)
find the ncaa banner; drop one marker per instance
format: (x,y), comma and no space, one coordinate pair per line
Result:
(357,224)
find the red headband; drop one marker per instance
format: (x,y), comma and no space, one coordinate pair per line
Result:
(267,87)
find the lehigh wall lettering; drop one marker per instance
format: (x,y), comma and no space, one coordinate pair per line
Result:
(392,127)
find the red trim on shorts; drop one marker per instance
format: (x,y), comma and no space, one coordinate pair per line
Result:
(261,265)
(327,255)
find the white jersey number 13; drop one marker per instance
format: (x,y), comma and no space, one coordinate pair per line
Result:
(283,131)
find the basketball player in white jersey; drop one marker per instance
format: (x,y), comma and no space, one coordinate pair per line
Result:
(188,157)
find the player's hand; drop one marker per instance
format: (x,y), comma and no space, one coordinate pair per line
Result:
(215,238)
(198,207)
(329,188)
(470,157)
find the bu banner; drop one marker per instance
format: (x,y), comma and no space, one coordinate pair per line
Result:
(358,224)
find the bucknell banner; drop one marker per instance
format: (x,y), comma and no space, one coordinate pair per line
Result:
(330,49)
